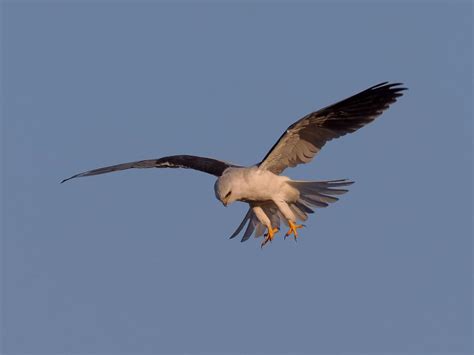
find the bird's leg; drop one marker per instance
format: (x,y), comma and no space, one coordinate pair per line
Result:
(293,229)
(269,235)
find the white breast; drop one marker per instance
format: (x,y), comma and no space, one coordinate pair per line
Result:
(254,184)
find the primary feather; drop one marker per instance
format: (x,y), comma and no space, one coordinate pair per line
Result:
(207,165)
(273,198)
(305,138)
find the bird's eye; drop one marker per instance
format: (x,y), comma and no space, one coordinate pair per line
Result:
(228,194)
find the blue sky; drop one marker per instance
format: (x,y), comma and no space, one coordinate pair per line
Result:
(140,262)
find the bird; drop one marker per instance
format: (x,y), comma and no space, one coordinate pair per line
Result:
(273,198)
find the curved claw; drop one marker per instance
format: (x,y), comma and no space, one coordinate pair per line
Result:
(269,236)
(293,229)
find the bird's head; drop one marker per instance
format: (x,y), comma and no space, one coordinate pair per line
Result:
(225,190)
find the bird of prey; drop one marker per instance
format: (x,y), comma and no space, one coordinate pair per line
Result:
(271,197)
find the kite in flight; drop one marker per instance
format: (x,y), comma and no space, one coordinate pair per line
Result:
(273,198)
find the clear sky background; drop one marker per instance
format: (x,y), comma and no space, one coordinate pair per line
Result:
(139,262)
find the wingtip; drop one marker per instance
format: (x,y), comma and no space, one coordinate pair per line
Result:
(387,84)
(394,90)
(383,83)
(69,178)
(398,86)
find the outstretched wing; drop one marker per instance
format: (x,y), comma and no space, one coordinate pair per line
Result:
(305,138)
(207,165)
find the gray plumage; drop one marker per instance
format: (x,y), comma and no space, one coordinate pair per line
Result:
(273,198)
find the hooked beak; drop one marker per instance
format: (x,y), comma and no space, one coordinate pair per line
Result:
(225,202)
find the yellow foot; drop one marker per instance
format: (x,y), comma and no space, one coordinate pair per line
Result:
(293,228)
(269,236)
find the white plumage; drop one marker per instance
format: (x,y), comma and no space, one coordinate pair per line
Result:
(273,198)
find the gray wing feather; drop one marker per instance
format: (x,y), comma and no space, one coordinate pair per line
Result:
(304,138)
(250,228)
(254,225)
(242,224)
(207,165)
(260,229)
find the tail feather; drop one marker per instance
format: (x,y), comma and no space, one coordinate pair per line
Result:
(317,196)
(312,202)
(319,193)
(298,213)
(303,207)
(330,191)
(312,194)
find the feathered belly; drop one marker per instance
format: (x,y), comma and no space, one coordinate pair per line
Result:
(260,186)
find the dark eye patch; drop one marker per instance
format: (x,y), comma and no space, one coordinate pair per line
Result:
(228,194)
